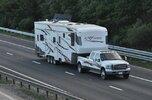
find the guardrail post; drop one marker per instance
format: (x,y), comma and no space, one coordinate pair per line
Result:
(56,97)
(6,78)
(29,87)
(37,90)
(13,81)
(21,84)
(47,93)
(0,77)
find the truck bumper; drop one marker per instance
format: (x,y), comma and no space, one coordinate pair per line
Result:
(117,72)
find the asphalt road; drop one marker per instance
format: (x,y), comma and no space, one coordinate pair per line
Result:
(18,54)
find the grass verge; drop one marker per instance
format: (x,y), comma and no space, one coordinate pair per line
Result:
(4,81)
(140,63)
(34,94)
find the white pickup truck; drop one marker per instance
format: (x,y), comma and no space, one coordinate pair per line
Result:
(105,63)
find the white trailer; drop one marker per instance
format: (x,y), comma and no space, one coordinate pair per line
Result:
(64,41)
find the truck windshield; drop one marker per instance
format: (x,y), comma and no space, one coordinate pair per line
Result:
(110,56)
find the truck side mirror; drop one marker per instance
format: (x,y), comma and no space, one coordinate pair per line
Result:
(126,58)
(97,60)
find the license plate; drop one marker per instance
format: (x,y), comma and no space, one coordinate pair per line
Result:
(120,73)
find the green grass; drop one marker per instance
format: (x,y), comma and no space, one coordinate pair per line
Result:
(34,94)
(140,63)
(17,35)
(4,81)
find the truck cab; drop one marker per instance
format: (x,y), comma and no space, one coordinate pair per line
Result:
(104,62)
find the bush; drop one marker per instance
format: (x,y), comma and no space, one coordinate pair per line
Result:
(140,35)
(26,24)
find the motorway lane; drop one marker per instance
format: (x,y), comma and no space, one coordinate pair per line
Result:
(88,86)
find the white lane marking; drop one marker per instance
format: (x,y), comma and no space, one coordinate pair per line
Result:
(69,73)
(17,45)
(9,54)
(36,62)
(7,96)
(116,88)
(143,79)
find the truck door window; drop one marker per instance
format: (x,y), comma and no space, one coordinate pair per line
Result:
(42,37)
(97,57)
(59,39)
(92,55)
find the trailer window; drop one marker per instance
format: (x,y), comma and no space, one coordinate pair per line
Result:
(37,37)
(72,39)
(54,40)
(78,40)
(42,37)
(63,35)
(106,39)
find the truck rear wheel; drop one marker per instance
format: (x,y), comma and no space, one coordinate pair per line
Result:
(103,74)
(80,69)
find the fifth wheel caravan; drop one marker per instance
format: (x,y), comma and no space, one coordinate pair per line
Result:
(64,41)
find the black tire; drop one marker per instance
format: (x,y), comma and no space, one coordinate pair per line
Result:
(103,74)
(48,59)
(54,61)
(51,59)
(126,76)
(60,61)
(38,55)
(80,69)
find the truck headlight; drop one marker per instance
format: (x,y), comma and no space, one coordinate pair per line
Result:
(108,67)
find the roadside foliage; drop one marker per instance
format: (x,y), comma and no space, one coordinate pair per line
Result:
(129,22)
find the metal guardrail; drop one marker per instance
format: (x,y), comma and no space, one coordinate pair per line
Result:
(133,53)
(16,31)
(14,78)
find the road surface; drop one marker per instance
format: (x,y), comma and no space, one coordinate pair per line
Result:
(18,54)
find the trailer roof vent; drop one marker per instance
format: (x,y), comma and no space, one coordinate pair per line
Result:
(62,17)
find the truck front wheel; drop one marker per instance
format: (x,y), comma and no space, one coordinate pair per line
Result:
(126,76)
(103,74)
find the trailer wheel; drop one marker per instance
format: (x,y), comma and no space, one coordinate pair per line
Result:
(48,59)
(80,69)
(54,61)
(103,74)
(60,61)
(51,59)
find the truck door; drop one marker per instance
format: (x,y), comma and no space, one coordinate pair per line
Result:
(97,61)
(91,60)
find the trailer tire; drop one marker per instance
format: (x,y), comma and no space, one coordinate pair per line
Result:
(103,74)
(54,61)
(48,59)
